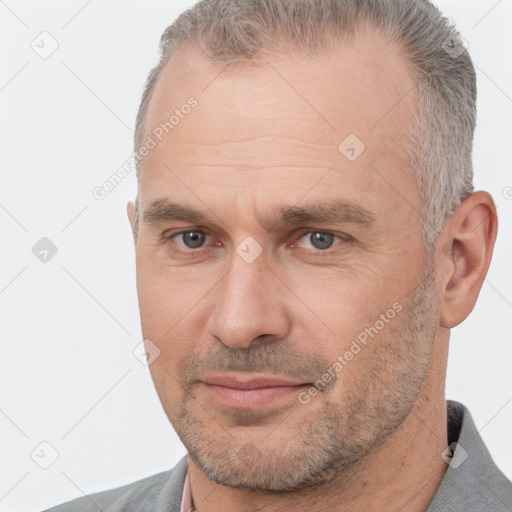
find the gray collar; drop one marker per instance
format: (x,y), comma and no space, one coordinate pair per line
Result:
(472,481)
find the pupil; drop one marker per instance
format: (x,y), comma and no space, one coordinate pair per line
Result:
(321,240)
(193,239)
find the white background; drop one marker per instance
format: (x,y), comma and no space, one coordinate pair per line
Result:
(68,375)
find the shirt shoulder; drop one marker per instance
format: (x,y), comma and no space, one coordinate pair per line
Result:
(159,493)
(472,481)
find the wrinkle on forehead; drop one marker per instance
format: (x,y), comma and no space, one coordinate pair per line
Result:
(358,87)
(274,130)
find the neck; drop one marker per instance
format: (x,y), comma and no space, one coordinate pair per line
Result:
(403,473)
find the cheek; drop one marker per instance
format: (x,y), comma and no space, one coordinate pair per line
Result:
(171,309)
(165,380)
(169,296)
(342,304)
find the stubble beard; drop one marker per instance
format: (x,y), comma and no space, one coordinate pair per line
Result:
(325,445)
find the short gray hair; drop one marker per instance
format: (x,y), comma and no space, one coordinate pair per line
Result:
(441,137)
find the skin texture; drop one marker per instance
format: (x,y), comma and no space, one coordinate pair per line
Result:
(267,136)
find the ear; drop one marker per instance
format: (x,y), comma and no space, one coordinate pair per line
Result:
(130,210)
(464,252)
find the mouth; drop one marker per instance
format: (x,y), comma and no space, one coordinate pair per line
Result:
(251,391)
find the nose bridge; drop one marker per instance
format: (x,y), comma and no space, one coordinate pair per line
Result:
(248,301)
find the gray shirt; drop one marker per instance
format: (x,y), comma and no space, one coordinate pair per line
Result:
(472,481)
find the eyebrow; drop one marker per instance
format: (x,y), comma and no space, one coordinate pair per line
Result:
(336,211)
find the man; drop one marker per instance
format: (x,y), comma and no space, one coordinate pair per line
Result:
(307,234)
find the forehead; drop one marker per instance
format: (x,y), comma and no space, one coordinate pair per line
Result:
(285,118)
(352,86)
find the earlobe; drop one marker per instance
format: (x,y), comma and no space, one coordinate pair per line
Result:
(467,242)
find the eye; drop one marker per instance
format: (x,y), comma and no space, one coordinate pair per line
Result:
(192,239)
(319,240)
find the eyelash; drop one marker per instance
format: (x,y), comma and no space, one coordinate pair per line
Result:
(194,252)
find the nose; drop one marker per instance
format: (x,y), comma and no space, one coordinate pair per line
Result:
(250,303)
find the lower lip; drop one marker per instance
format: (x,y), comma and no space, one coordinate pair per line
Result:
(252,398)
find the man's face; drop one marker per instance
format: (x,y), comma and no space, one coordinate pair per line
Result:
(245,295)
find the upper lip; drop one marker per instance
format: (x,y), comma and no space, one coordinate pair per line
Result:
(250,381)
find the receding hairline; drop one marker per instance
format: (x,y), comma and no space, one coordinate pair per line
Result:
(443,131)
(283,47)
